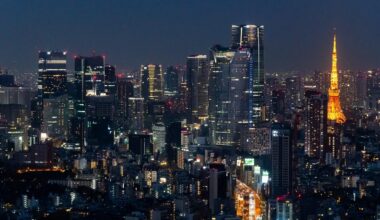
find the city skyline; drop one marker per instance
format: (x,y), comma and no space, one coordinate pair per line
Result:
(145,110)
(113,29)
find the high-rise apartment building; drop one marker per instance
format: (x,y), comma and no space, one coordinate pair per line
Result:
(315,124)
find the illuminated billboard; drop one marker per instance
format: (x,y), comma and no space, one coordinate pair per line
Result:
(249,161)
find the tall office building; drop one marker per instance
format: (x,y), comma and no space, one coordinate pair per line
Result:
(151,78)
(159,135)
(250,37)
(315,124)
(89,75)
(88,81)
(55,117)
(219,86)
(52,73)
(124,91)
(52,83)
(281,146)
(373,89)
(110,79)
(240,97)
(171,81)
(99,120)
(244,35)
(294,93)
(136,113)
(236,85)
(197,75)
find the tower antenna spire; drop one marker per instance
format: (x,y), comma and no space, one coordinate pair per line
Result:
(334,109)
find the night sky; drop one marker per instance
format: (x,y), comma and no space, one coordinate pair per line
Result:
(298,34)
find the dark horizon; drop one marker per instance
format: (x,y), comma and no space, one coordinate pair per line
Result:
(298,35)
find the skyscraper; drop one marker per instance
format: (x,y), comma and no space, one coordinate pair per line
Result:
(244,35)
(52,89)
(373,89)
(89,81)
(197,75)
(281,146)
(240,98)
(219,86)
(315,124)
(236,85)
(110,79)
(135,113)
(89,75)
(52,73)
(159,135)
(171,82)
(55,117)
(151,78)
(124,90)
(251,37)
(294,93)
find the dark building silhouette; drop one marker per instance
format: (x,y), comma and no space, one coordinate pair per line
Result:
(281,144)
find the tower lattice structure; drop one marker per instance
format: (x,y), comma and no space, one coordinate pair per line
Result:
(334,109)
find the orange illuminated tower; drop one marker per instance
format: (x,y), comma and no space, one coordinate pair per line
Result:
(334,110)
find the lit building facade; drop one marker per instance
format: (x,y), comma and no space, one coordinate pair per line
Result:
(52,73)
(136,113)
(159,135)
(151,78)
(89,75)
(219,86)
(197,76)
(251,37)
(88,81)
(55,117)
(315,124)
